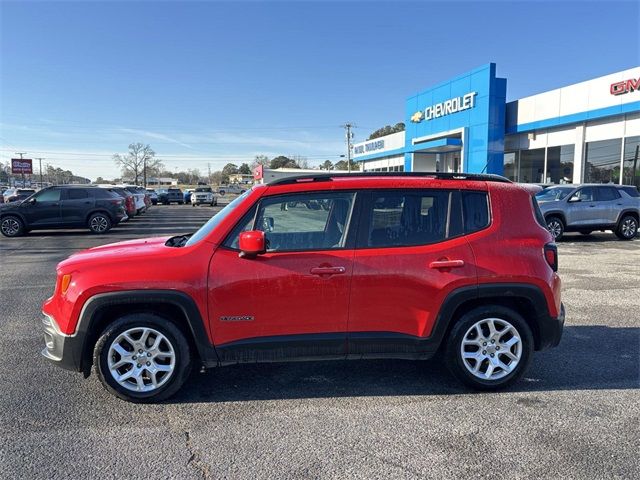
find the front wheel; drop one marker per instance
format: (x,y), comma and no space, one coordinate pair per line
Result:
(12,226)
(627,228)
(142,358)
(555,227)
(99,223)
(489,348)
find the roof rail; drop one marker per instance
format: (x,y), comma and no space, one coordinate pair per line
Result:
(327,177)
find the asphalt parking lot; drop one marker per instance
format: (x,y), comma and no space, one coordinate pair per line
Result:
(575,415)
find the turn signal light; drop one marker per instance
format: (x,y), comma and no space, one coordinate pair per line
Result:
(64,285)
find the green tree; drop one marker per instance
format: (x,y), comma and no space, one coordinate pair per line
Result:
(283,162)
(387,130)
(326,165)
(244,169)
(342,165)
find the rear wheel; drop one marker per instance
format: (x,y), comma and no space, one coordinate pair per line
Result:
(489,347)
(12,226)
(555,225)
(627,228)
(99,223)
(142,358)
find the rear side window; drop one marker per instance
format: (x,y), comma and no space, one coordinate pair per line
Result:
(606,194)
(631,191)
(77,194)
(475,211)
(405,218)
(103,193)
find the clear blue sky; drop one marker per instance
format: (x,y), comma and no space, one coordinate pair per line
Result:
(217,82)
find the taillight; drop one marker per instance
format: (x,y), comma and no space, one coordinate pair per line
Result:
(551,255)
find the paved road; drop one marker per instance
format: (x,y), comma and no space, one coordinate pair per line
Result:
(576,414)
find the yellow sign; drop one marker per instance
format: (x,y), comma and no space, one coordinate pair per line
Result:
(416,117)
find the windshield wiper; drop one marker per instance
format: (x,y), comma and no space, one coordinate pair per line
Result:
(178,240)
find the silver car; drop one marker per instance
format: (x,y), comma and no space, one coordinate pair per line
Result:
(589,207)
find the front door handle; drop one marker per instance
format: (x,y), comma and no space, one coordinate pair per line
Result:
(447,264)
(327,270)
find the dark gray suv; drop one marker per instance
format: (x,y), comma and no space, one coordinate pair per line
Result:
(64,206)
(589,207)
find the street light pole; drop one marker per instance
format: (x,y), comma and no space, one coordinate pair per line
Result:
(40,161)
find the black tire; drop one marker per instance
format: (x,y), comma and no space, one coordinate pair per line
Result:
(193,204)
(627,228)
(555,225)
(12,226)
(99,223)
(174,336)
(453,354)
(180,203)
(221,192)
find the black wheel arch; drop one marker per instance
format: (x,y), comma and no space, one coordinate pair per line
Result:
(176,307)
(104,211)
(556,213)
(628,211)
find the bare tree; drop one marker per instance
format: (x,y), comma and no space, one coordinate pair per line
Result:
(260,160)
(139,159)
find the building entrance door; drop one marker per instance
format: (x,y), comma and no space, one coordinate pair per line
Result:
(449,162)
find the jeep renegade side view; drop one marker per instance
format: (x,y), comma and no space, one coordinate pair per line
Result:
(319,267)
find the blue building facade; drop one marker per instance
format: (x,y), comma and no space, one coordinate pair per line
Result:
(465,124)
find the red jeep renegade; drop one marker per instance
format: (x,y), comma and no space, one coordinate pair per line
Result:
(319,267)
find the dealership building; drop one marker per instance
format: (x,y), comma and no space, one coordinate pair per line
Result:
(586,132)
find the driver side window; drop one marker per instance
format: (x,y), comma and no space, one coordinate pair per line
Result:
(316,221)
(50,195)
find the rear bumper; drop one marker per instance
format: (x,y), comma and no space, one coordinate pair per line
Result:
(63,350)
(551,329)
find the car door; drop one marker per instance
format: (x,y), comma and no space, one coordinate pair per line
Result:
(582,208)
(76,203)
(42,209)
(609,204)
(292,301)
(409,256)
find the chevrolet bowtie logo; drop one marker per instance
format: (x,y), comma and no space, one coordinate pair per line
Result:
(417,117)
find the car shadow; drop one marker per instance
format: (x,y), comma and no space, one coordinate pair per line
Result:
(588,358)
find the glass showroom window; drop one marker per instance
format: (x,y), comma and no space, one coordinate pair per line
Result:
(532,166)
(602,161)
(511,166)
(560,164)
(631,167)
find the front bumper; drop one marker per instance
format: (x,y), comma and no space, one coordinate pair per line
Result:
(551,329)
(63,350)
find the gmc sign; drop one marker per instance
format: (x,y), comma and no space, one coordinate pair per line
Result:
(620,88)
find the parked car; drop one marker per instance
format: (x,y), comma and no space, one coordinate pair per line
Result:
(17,194)
(589,207)
(170,195)
(204,196)
(398,266)
(187,195)
(66,206)
(153,196)
(139,194)
(234,188)
(129,199)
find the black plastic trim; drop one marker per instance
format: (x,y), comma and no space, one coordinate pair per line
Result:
(327,177)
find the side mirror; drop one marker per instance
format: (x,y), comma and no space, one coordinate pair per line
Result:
(32,201)
(251,243)
(574,199)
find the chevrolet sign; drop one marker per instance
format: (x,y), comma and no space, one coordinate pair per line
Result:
(453,105)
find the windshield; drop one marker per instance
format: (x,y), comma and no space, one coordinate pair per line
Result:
(203,189)
(215,220)
(553,193)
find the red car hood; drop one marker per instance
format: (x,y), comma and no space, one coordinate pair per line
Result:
(116,251)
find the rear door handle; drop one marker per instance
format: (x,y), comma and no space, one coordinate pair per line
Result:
(447,264)
(327,270)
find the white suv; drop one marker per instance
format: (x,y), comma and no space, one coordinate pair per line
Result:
(203,195)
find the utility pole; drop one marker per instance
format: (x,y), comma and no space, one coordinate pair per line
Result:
(21,169)
(349,136)
(209,172)
(40,161)
(144,170)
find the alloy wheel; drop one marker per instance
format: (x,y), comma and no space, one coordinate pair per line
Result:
(629,228)
(555,228)
(10,227)
(491,349)
(141,359)
(99,224)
